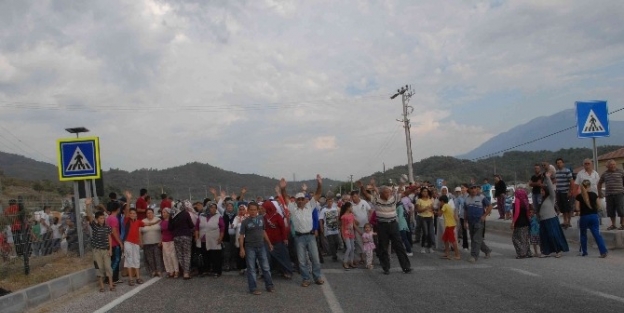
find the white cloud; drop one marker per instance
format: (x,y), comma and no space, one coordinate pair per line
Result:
(266,86)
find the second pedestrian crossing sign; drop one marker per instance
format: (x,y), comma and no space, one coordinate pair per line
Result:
(79,159)
(592,119)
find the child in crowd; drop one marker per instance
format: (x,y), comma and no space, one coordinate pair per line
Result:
(534,232)
(348,227)
(450,221)
(251,242)
(132,245)
(56,234)
(102,249)
(369,244)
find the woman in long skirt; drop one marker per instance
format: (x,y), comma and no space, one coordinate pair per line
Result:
(168,248)
(182,227)
(552,239)
(520,225)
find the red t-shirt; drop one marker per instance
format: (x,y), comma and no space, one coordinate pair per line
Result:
(12,213)
(132,232)
(141,207)
(275,228)
(113,223)
(347,225)
(165,204)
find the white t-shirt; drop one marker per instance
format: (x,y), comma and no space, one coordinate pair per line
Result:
(361,211)
(593,178)
(330,220)
(56,233)
(45,218)
(302,218)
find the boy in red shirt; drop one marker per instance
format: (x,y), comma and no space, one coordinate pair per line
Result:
(132,246)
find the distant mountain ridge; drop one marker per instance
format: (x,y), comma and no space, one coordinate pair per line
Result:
(543,126)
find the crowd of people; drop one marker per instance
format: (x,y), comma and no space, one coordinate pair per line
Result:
(287,234)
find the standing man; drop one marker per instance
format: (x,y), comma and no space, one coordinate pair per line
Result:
(384,201)
(564,181)
(141,205)
(500,192)
(461,193)
(165,202)
(46,230)
(330,227)
(362,211)
(303,214)
(536,185)
(476,209)
(590,174)
(613,179)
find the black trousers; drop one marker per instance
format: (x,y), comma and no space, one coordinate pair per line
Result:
(388,233)
(213,260)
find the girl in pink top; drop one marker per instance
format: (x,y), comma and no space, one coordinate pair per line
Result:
(348,227)
(369,244)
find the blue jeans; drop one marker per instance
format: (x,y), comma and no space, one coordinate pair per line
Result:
(537,199)
(280,254)
(306,246)
(475,227)
(592,223)
(406,241)
(349,251)
(115,260)
(427,231)
(251,255)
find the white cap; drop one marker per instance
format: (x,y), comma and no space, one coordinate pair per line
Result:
(457,188)
(299,195)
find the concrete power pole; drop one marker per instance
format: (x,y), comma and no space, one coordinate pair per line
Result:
(351,182)
(407,93)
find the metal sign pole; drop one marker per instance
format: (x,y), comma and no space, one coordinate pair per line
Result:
(595,155)
(78,220)
(96,199)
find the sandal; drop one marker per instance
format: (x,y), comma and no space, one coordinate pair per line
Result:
(558,255)
(131,282)
(346,267)
(612,227)
(520,257)
(445,257)
(256,292)
(112,288)
(102,289)
(139,281)
(621,227)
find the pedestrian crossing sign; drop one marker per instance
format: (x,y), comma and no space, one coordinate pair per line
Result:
(592,119)
(79,158)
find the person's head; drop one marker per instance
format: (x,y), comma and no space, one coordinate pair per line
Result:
(329,203)
(46,209)
(99,217)
(464,188)
(588,165)
(55,220)
(212,208)
(485,180)
(132,214)
(261,210)
(242,210)
(346,197)
(424,193)
(198,207)
(531,211)
(166,213)
(458,191)
(559,163)
(611,165)
(150,213)
(537,168)
(385,192)
(497,178)
(229,206)
(252,209)
(444,191)
(163,196)
(148,199)
(368,227)
(355,196)
(300,199)
(259,199)
(346,208)
(474,190)
(143,192)
(444,199)
(112,196)
(114,207)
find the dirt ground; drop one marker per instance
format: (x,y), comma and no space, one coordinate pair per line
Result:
(41,269)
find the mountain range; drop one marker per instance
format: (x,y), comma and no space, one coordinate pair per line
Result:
(541,127)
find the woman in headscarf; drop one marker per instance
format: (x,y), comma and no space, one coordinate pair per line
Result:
(520,224)
(169,254)
(552,238)
(587,203)
(182,227)
(209,231)
(241,263)
(277,232)
(151,237)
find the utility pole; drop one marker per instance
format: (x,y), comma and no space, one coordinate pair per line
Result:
(351,182)
(406,94)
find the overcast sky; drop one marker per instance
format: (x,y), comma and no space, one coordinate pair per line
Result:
(281,87)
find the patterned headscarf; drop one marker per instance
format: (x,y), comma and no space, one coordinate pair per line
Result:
(522,199)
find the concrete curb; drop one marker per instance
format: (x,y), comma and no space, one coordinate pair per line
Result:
(30,297)
(613,239)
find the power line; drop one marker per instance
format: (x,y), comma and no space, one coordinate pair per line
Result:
(534,140)
(27,145)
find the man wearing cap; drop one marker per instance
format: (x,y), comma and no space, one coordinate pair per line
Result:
(303,215)
(461,193)
(476,208)
(385,200)
(362,211)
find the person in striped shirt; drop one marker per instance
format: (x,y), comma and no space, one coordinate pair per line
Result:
(564,181)
(613,180)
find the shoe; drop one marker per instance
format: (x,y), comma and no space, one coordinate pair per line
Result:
(612,227)
(407,270)
(423,251)
(256,292)
(271,289)
(305,283)
(428,250)
(319,281)
(472,260)
(602,256)
(386,272)
(487,255)
(465,249)
(410,254)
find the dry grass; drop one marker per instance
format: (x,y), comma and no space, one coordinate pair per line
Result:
(42,269)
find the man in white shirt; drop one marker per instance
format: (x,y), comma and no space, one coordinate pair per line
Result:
(330,228)
(302,215)
(46,232)
(588,173)
(362,211)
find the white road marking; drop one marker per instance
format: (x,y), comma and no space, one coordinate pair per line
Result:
(330,296)
(127,296)
(597,293)
(517,270)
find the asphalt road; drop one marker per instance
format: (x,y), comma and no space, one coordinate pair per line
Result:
(498,284)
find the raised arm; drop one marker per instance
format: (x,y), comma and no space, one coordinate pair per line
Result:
(363,192)
(319,187)
(88,202)
(282,186)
